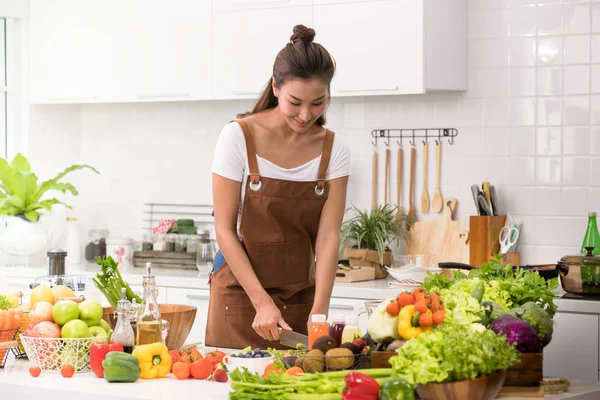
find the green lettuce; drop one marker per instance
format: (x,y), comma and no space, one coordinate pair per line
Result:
(453,353)
(20,193)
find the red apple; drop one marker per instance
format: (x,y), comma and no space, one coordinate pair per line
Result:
(46,329)
(42,311)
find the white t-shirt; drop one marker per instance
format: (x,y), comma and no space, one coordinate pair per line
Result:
(231,161)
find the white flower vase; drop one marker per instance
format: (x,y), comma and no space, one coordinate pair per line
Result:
(21,237)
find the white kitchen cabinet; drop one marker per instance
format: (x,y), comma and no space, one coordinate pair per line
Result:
(229,5)
(70,56)
(162,50)
(193,297)
(245,44)
(573,351)
(394,46)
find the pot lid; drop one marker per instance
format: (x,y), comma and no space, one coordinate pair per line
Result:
(582,259)
(56,253)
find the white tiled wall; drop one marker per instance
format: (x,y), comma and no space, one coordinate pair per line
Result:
(530,124)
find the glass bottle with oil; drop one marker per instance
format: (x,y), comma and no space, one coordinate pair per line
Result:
(149,320)
(123,332)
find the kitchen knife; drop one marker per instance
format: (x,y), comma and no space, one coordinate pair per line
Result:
(494,198)
(486,192)
(292,339)
(484,206)
(475,192)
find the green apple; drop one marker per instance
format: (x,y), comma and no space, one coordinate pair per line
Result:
(65,311)
(90,312)
(102,324)
(75,328)
(98,333)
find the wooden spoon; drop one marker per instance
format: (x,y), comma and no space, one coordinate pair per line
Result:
(438,202)
(425,195)
(411,206)
(399,182)
(387,176)
(374,181)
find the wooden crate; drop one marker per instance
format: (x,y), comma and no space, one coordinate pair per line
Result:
(165,259)
(528,373)
(381,359)
(355,275)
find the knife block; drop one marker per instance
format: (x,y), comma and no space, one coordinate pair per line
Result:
(484,242)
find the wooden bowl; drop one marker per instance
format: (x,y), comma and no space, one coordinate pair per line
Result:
(484,388)
(181,319)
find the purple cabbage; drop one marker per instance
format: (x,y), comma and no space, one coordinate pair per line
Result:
(519,332)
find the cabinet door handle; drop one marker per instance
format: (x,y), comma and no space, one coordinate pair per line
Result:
(245,92)
(161,95)
(341,307)
(242,3)
(198,296)
(388,89)
(66,98)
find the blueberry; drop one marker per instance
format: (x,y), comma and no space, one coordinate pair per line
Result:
(249,354)
(234,355)
(265,354)
(241,355)
(257,350)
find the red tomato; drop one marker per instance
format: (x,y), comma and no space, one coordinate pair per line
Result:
(393,309)
(426,319)
(35,371)
(405,299)
(421,306)
(67,371)
(439,317)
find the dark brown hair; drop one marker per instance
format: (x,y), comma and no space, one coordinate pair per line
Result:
(301,58)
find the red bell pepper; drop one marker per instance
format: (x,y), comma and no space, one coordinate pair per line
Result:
(360,386)
(98,352)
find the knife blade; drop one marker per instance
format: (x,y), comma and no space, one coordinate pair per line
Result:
(292,339)
(485,207)
(475,192)
(494,197)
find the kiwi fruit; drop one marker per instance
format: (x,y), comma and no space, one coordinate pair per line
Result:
(313,361)
(339,359)
(325,343)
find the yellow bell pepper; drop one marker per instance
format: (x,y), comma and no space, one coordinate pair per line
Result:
(155,361)
(406,328)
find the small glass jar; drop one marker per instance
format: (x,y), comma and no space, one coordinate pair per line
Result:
(147,242)
(181,243)
(193,241)
(205,256)
(171,239)
(96,246)
(160,242)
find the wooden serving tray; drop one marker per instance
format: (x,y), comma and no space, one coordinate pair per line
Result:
(165,259)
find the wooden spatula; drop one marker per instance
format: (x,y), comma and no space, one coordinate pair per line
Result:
(425,195)
(374,181)
(399,181)
(387,176)
(438,202)
(411,194)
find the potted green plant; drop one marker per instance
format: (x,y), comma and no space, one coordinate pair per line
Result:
(366,237)
(23,200)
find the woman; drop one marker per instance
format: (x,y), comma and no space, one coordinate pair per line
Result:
(279,192)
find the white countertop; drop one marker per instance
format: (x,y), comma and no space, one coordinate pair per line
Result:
(16,383)
(192,279)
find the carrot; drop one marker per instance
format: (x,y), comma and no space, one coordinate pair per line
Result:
(16,321)
(8,319)
(2,318)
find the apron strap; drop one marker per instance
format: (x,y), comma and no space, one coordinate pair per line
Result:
(326,156)
(251,151)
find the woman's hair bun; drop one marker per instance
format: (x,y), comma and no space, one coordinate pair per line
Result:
(303,34)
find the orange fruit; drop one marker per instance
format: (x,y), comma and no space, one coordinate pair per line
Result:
(61,291)
(41,293)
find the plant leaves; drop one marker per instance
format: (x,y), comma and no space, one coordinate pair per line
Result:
(20,163)
(32,216)
(53,184)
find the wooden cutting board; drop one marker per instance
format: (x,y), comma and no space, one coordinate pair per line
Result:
(446,239)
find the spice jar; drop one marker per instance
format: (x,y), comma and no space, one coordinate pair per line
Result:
(121,249)
(181,243)
(96,246)
(192,243)
(171,239)
(147,242)
(160,242)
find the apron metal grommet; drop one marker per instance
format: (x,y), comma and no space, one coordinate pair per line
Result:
(226,308)
(257,187)
(318,191)
(285,307)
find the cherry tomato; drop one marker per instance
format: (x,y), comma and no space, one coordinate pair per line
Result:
(405,299)
(439,316)
(426,319)
(393,308)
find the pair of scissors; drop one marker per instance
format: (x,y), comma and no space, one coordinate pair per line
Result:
(508,238)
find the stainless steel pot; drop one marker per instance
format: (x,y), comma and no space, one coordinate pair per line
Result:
(580,273)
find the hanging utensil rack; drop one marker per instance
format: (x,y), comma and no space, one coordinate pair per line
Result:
(412,134)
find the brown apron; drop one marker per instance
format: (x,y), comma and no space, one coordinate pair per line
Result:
(279,225)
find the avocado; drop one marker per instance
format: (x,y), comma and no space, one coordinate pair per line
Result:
(352,347)
(325,343)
